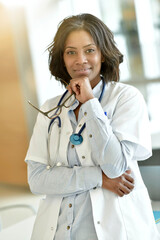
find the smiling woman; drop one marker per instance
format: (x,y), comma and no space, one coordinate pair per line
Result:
(85,159)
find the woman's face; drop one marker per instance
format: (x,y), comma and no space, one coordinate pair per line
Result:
(82,57)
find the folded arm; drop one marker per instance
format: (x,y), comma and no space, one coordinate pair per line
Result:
(67,181)
(107,151)
(64,180)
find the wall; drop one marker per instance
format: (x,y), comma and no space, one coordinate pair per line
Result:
(13,125)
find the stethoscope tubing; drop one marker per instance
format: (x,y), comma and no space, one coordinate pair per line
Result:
(59,120)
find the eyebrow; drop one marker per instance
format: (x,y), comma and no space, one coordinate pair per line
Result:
(88,45)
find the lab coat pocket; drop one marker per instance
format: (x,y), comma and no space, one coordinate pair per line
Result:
(46,220)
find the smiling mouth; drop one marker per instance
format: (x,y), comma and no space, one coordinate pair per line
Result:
(82,70)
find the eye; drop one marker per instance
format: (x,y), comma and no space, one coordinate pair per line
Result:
(90,50)
(70,52)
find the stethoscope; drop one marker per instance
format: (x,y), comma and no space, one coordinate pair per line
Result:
(75,138)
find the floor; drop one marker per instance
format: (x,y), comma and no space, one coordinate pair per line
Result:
(10,194)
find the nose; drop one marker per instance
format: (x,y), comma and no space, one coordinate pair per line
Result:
(81,58)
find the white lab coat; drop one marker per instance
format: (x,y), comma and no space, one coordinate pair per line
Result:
(115,218)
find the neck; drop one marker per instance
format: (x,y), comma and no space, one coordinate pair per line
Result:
(95,81)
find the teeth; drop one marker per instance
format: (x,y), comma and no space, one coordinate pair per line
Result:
(82,70)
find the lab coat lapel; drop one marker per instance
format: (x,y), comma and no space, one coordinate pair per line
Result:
(84,149)
(66,131)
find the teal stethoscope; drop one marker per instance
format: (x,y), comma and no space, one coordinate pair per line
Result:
(75,138)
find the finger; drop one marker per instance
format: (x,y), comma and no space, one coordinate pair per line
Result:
(75,87)
(128,171)
(69,89)
(129,185)
(121,190)
(128,177)
(120,193)
(125,189)
(78,87)
(127,181)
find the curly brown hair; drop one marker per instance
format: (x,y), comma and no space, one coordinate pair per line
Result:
(103,38)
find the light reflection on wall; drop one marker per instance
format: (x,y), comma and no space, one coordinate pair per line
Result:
(154,111)
(136,26)
(149,48)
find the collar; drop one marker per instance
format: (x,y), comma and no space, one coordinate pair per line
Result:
(97,89)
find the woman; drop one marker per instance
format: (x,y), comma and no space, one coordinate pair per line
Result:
(80,158)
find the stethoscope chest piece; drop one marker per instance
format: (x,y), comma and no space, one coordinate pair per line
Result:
(76,139)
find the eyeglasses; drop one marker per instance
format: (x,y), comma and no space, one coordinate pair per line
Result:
(58,109)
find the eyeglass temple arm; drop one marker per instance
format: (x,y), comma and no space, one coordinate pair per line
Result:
(45,113)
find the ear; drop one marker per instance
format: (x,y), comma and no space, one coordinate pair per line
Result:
(102,59)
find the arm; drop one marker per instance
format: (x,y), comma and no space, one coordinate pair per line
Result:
(62,181)
(123,138)
(108,152)
(69,181)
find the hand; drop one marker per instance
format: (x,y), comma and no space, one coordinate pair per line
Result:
(82,88)
(122,185)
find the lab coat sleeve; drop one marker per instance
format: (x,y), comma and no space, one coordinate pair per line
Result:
(130,122)
(122,138)
(62,181)
(107,151)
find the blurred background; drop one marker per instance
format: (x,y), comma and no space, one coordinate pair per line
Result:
(26,29)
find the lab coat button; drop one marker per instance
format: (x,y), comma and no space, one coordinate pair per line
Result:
(72,146)
(58,164)
(80,125)
(98,222)
(70,205)
(83,157)
(90,135)
(48,167)
(85,113)
(68,227)
(52,228)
